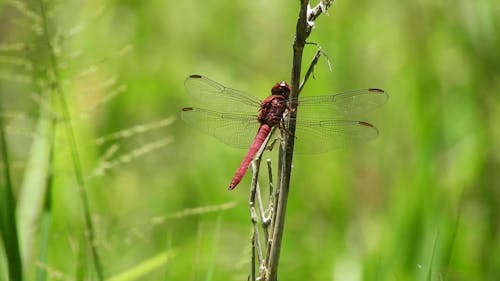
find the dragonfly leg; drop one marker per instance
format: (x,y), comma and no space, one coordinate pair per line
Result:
(284,130)
(271,145)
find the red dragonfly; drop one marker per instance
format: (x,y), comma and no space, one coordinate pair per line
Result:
(242,120)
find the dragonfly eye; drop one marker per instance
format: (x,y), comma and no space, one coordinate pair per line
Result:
(281,88)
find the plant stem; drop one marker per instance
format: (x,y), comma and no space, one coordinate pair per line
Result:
(56,86)
(303,29)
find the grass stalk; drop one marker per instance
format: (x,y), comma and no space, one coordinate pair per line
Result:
(140,270)
(82,190)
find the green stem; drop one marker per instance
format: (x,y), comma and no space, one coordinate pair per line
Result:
(286,151)
(72,144)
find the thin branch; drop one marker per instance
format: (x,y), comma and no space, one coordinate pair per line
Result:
(315,12)
(271,203)
(252,264)
(304,26)
(262,214)
(270,173)
(286,149)
(253,214)
(255,192)
(312,65)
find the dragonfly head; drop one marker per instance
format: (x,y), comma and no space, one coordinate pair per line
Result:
(281,88)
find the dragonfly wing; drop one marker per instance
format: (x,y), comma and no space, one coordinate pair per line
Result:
(350,103)
(233,129)
(321,136)
(219,97)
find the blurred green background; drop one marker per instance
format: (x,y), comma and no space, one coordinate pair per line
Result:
(421,202)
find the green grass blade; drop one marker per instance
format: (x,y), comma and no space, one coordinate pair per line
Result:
(8,227)
(215,241)
(46,222)
(431,265)
(34,188)
(145,267)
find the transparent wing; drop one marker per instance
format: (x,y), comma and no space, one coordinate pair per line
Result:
(233,129)
(352,103)
(214,95)
(314,136)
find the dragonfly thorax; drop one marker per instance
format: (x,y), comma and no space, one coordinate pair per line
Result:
(272,109)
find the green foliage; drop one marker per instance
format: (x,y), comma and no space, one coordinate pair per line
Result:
(418,203)
(8,226)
